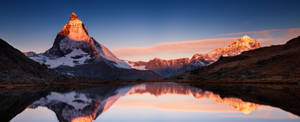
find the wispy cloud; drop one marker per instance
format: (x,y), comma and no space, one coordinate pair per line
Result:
(253,33)
(182,49)
(269,37)
(172,49)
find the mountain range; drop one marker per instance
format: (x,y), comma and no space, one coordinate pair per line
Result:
(76,54)
(274,64)
(170,67)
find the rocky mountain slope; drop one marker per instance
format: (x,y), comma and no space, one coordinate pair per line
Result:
(75,53)
(15,67)
(269,64)
(163,67)
(173,66)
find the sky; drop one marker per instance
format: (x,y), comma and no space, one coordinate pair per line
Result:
(159,28)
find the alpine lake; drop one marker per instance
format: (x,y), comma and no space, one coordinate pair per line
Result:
(152,102)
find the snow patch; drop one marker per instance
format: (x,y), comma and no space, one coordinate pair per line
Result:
(141,67)
(70,98)
(105,53)
(76,57)
(122,64)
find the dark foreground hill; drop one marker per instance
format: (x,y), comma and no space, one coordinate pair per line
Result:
(15,67)
(276,64)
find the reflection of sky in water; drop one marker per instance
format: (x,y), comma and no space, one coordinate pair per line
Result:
(170,107)
(39,114)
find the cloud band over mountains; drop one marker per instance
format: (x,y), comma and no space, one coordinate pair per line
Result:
(171,50)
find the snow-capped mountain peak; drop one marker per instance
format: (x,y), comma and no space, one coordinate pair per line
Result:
(246,37)
(169,67)
(245,43)
(73,39)
(75,29)
(242,44)
(248,42)
(73,16)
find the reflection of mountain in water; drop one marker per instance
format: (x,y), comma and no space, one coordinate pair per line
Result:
(88,104)
(159,89)
(83,105)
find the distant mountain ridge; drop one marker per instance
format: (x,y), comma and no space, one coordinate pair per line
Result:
(278,63)
(74,52)
(173,66)
(245,43)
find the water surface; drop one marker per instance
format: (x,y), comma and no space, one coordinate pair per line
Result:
(147,102)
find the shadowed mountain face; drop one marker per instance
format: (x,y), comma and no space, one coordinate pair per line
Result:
(87,104)
(15,67)
(269,64)
(76,54)
(173,66)
(107,72)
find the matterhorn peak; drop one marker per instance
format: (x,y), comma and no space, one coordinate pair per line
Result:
(75,29)
(73,41)
(73,16)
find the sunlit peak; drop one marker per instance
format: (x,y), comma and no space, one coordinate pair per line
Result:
(246,37)
(73,16)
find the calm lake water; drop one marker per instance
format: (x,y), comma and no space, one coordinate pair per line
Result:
(148,102)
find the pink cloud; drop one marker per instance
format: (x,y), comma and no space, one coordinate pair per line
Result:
(171,50)
(254,33)
(291,33)
(270,37)
(282,36)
